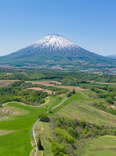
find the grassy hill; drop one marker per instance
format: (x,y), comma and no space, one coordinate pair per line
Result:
(102,146)
(16,130)
(99,127)
(76,125)
(80,107)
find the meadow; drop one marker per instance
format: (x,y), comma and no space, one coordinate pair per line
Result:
(76,120)
(79,107)
(102,146)
(16,130)
(18,142)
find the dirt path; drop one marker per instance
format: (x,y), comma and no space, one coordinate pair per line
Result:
(60,103)
(36,123)
(34,137)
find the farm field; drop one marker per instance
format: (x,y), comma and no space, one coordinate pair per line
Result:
(6,82)
(40,89)
(102,146)
(16,124)
(18,140)
(55,84)
(80,107)
(63,110)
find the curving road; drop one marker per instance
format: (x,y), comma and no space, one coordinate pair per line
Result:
(35,124)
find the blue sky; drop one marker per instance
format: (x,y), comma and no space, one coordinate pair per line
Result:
(89,23)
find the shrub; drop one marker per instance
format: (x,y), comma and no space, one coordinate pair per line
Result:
(109,100)
(58,149)
(72,132)
(63,135)
(71,93)
(44,118)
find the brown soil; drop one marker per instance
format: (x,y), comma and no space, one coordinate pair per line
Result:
(41,89)
(6,82)
(55,84)
(7,112)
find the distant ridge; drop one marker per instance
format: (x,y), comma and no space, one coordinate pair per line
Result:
(112,56)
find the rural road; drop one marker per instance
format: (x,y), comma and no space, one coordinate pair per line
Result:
(60,103)
(34,137)
(35,124)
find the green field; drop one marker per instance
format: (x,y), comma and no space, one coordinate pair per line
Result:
(102,146)
(80,107)
(19,137)
(18,143)
(45,132)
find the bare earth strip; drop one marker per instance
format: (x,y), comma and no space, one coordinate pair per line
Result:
(7,112)
(4,132)
(41,89)
(6,82)
(50,83)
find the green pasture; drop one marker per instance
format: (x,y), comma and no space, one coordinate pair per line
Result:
(80,107)
(18,143)
(102,146)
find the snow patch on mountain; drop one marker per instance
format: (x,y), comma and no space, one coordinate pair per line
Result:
(55,42)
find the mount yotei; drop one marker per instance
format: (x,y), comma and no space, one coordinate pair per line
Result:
(54,51)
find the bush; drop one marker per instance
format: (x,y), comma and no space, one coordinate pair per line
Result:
(58,149)
(63,135)
(44,118)
(72,132)
(71,93)
(109,100)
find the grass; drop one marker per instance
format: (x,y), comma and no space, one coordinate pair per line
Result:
(53,101)
(45,133)
(80,107)
(7,113)
(19,141)
(102,146)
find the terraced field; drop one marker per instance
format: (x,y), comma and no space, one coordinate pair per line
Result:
(80,107)
(102,146)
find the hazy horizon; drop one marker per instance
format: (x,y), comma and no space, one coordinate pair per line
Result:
(90,24)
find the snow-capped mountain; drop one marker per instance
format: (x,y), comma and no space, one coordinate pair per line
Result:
(55,42)
(55,51)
